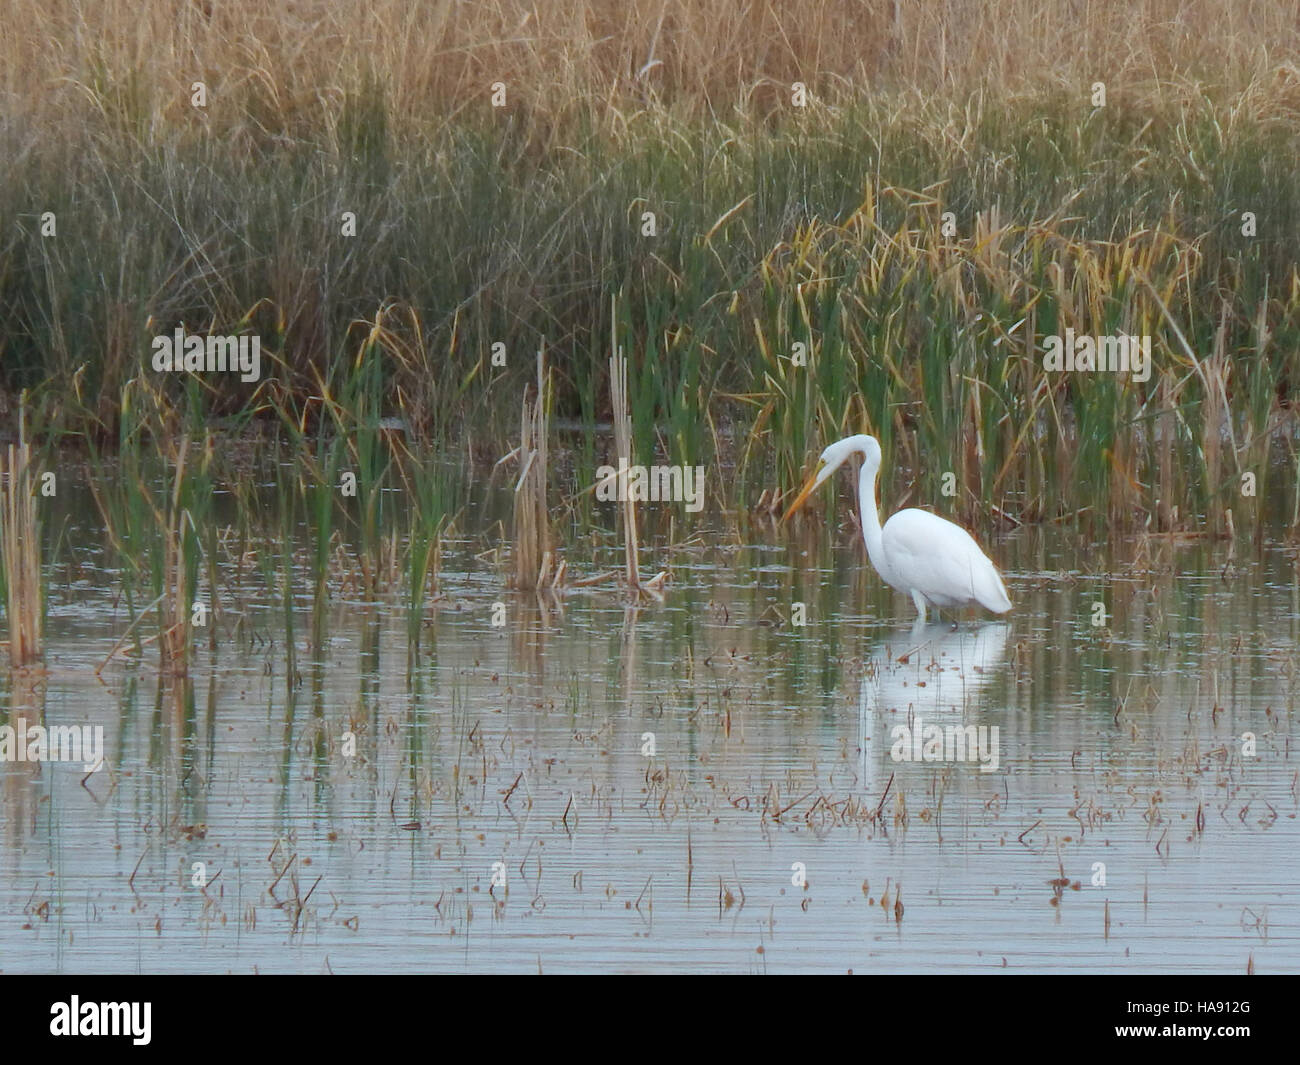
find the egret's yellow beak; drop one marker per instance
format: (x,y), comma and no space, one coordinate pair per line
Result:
(804,492)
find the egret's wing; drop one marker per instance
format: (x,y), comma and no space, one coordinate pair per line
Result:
(942,562)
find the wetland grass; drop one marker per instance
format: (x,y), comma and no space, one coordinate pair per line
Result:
(428,519)
(889,258)
(342,477)
(155,501)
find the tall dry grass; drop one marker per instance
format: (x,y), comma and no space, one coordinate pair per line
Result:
(290,63)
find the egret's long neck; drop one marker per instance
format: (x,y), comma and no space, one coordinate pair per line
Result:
(871,521)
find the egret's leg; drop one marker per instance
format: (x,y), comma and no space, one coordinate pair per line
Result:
(919,600)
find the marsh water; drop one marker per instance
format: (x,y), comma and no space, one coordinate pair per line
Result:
(700,784)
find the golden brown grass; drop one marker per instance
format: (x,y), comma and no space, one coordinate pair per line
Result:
(287,64)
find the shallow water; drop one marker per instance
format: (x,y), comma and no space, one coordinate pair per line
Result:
(527,744)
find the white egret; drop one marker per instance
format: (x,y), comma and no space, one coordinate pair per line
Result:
(934,561)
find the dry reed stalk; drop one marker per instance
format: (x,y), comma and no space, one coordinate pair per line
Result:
(175,604)
(623,446)
(533,541)
(20,545)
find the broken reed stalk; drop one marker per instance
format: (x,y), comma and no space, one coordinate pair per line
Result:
(20,545)
(623,445)
(532,524)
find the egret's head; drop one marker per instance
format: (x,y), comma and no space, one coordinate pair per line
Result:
(832,459)
(838,453)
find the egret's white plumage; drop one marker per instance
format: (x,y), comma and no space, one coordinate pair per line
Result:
(931,559)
